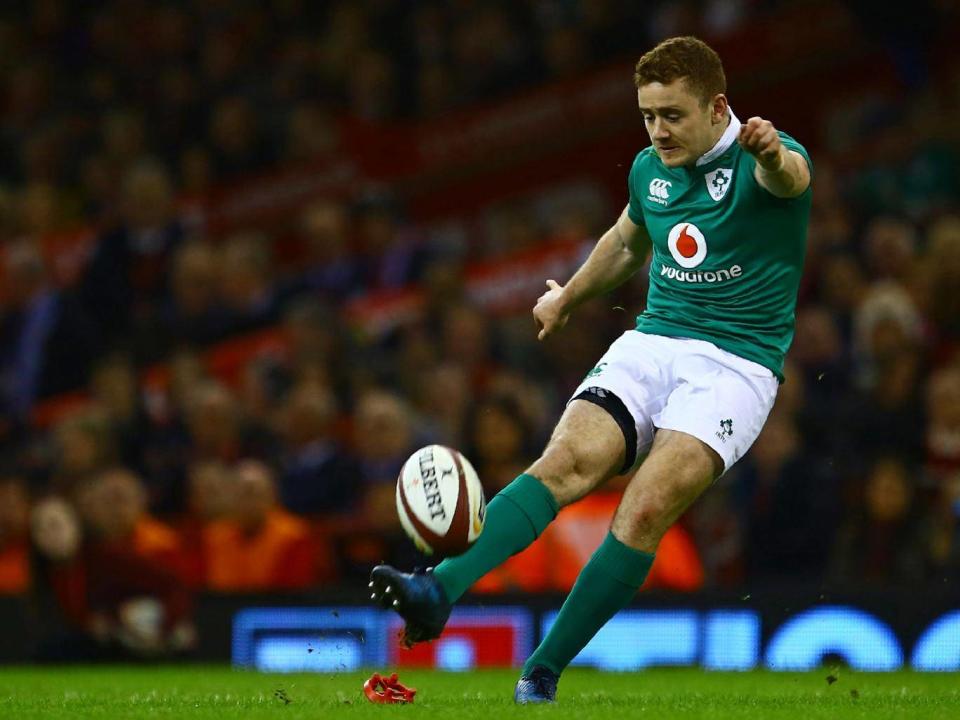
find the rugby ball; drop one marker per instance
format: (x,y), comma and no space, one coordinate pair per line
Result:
(440,501)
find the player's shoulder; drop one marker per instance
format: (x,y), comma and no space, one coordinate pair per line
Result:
(645,157)
(644,162)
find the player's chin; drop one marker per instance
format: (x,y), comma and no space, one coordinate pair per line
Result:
(673,157)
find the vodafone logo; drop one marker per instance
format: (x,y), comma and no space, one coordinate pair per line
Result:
(687,245)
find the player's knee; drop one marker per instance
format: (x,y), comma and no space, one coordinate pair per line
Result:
(645,525)
(565,472)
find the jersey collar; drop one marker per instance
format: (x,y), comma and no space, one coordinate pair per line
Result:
(723,144)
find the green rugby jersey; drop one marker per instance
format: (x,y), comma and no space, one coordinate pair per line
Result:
(727,255)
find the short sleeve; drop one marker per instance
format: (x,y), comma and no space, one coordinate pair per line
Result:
(790,144)
(635,208)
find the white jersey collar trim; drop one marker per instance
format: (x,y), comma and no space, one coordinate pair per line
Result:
(723,144)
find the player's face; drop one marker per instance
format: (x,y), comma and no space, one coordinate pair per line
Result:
(680,125)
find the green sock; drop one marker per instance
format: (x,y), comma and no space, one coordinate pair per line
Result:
(515,518)
(605,585)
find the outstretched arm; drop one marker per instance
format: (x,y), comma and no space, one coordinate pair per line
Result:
(620,252)
(783,173)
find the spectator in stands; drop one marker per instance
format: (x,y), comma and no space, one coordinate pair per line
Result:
(195,172)
(320,350)
(123,136)
(84,445)
(317,476)
(884,543)
(444,284)
(564,51)
(247,289)
(467,340)
(384,436)
(258,390)
(945,529)
(344,36)
(842,288)
(216,429)
(114,385)
(489,51)
(394,255)
(372,87)
(330,267)
(890,249)
(818,353)
(790,505)
(512,228)
(531,401)
(239,147)
(178,92)
(583,344)
(385,433)
(193,314)
(500,441)
(125,283)
(885,409)
(311,133)
(211,490)
(260,546)
(14,536)
(41,211)
(941,268)
(437,92)
(886,324)
(443,396)
(821,364)
(48,343)
(188,375)
(103,600)
(406,353)
(943,423)
(114,509)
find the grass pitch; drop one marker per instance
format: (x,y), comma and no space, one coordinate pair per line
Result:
(223,694)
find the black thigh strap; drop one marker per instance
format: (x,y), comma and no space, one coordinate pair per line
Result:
(618,411)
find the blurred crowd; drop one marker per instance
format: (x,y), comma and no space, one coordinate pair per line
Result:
(219,89)
(282,479)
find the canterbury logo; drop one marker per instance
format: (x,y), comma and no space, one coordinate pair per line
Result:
(660,188)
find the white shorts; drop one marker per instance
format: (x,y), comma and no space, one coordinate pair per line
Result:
(687,385)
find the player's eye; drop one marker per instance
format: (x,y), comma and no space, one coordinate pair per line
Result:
(673,118)
(647,117)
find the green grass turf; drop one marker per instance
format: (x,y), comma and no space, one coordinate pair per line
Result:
(215,692)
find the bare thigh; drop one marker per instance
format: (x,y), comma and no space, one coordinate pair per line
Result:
(677,470)
(586,449)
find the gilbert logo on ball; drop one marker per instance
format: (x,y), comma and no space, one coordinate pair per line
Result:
(440,500)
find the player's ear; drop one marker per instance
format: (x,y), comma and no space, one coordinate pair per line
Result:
(718,108)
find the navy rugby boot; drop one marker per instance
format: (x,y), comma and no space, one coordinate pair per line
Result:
(540,686)
(418,599)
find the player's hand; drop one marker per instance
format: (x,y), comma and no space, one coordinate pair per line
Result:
(549,313)
(759,138)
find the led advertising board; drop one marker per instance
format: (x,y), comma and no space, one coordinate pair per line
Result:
(331,639)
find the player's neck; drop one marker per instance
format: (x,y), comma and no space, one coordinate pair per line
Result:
(724,139)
